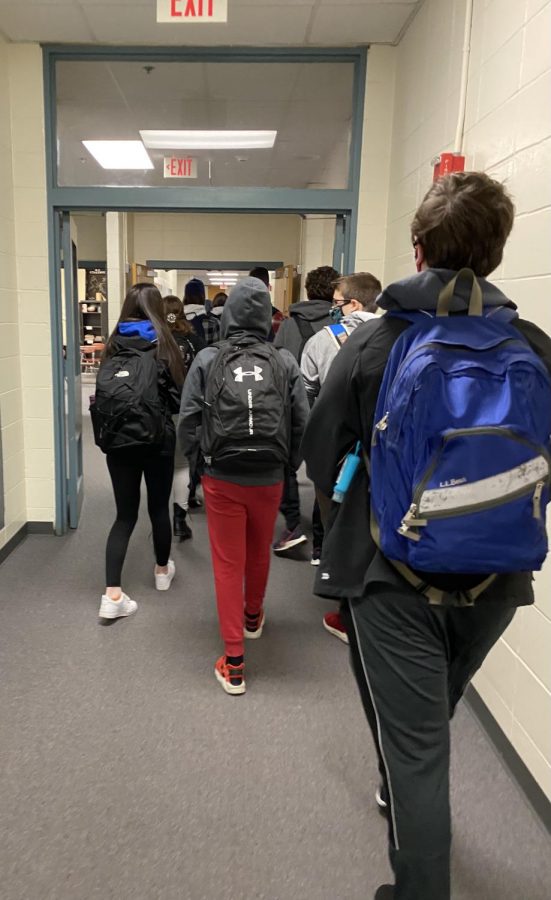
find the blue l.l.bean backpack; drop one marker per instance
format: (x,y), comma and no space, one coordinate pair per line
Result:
(461,452)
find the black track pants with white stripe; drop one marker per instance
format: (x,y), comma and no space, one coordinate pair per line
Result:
(412,663)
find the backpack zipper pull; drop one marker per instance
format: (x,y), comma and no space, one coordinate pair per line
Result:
(411,521)
(536,499)
(382,425)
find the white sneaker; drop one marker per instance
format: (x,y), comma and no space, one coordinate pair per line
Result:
(163,582)
(114,609)
(254,633)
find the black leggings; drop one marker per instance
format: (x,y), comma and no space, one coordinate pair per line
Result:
(126,470)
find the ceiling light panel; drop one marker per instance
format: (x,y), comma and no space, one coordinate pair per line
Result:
(208,140)
(119,154)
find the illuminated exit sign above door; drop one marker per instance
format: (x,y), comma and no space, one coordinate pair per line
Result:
(192,11)
(180,167)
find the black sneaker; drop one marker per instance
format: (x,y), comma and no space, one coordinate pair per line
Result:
(385,892)
(316,556)
(194,502)
(180,525)
(289,539)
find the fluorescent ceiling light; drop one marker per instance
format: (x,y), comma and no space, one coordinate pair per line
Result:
(119,154)
(208,140)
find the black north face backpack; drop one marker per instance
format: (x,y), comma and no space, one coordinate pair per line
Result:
(246,423)
(127,411)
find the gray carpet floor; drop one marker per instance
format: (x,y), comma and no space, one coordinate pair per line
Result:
(127,773)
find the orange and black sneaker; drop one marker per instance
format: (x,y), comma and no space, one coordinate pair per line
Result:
(254,623)
(232,678)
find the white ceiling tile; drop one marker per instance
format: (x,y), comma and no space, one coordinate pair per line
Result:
(251,22)
(127,3)
(26,4)
(360,23)
(247,25)
(235,3)
(369,2)
(54,22)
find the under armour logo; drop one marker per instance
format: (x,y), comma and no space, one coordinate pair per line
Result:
(256,373)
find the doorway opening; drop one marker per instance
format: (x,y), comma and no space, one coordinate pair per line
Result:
(102,253)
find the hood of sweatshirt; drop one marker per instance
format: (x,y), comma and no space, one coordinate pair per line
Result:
(356,318)
(311,310)
(421,291)
(142,328)
(247,311)
(193,309)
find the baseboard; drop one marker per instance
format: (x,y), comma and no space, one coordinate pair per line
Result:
(537,799)
(27,528)
(13,543)
(40,528)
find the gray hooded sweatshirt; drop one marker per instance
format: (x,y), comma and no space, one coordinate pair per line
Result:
(321,349)
(247,313)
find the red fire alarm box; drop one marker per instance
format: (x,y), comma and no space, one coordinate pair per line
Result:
(447,163)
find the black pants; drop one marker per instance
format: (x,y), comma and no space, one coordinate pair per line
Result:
(290,501)
(290,509)
(126,469)
(412,662)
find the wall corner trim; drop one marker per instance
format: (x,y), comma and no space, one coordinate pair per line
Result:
(518,770)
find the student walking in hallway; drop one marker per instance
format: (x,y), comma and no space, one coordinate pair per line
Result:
(138,389)
(189,344)
(449,394)
(247,405)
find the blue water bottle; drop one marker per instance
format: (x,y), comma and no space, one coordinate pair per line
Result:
(348,469)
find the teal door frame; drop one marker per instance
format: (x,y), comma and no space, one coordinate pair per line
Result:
(73,395)
(341,202)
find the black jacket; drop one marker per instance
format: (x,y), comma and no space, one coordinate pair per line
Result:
(343,414)
(313,314)
(247,312)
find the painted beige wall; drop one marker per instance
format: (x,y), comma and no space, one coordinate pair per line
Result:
(11,392)
(318,239)
(376,152)
(92,239)
(216,236)
(25,356)
(508,134)
(31,247)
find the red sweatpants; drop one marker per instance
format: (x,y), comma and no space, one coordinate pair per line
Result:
(241,523)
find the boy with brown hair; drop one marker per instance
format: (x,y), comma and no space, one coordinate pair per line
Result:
(413,656)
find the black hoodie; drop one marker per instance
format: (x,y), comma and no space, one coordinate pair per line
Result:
(343,414)
(314,314)
(247,314)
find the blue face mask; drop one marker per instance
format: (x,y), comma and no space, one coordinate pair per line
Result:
(336,313)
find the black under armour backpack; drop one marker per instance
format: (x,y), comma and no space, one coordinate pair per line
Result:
(127,411)
(246,422)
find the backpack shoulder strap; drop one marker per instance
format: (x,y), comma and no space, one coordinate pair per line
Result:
(306,330)
(338,332)
(305,327)
(415,316)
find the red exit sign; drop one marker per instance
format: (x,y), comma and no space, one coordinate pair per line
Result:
(192,11)
(180,167)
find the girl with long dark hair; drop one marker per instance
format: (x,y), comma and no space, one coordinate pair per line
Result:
(142,329)
(189,344)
